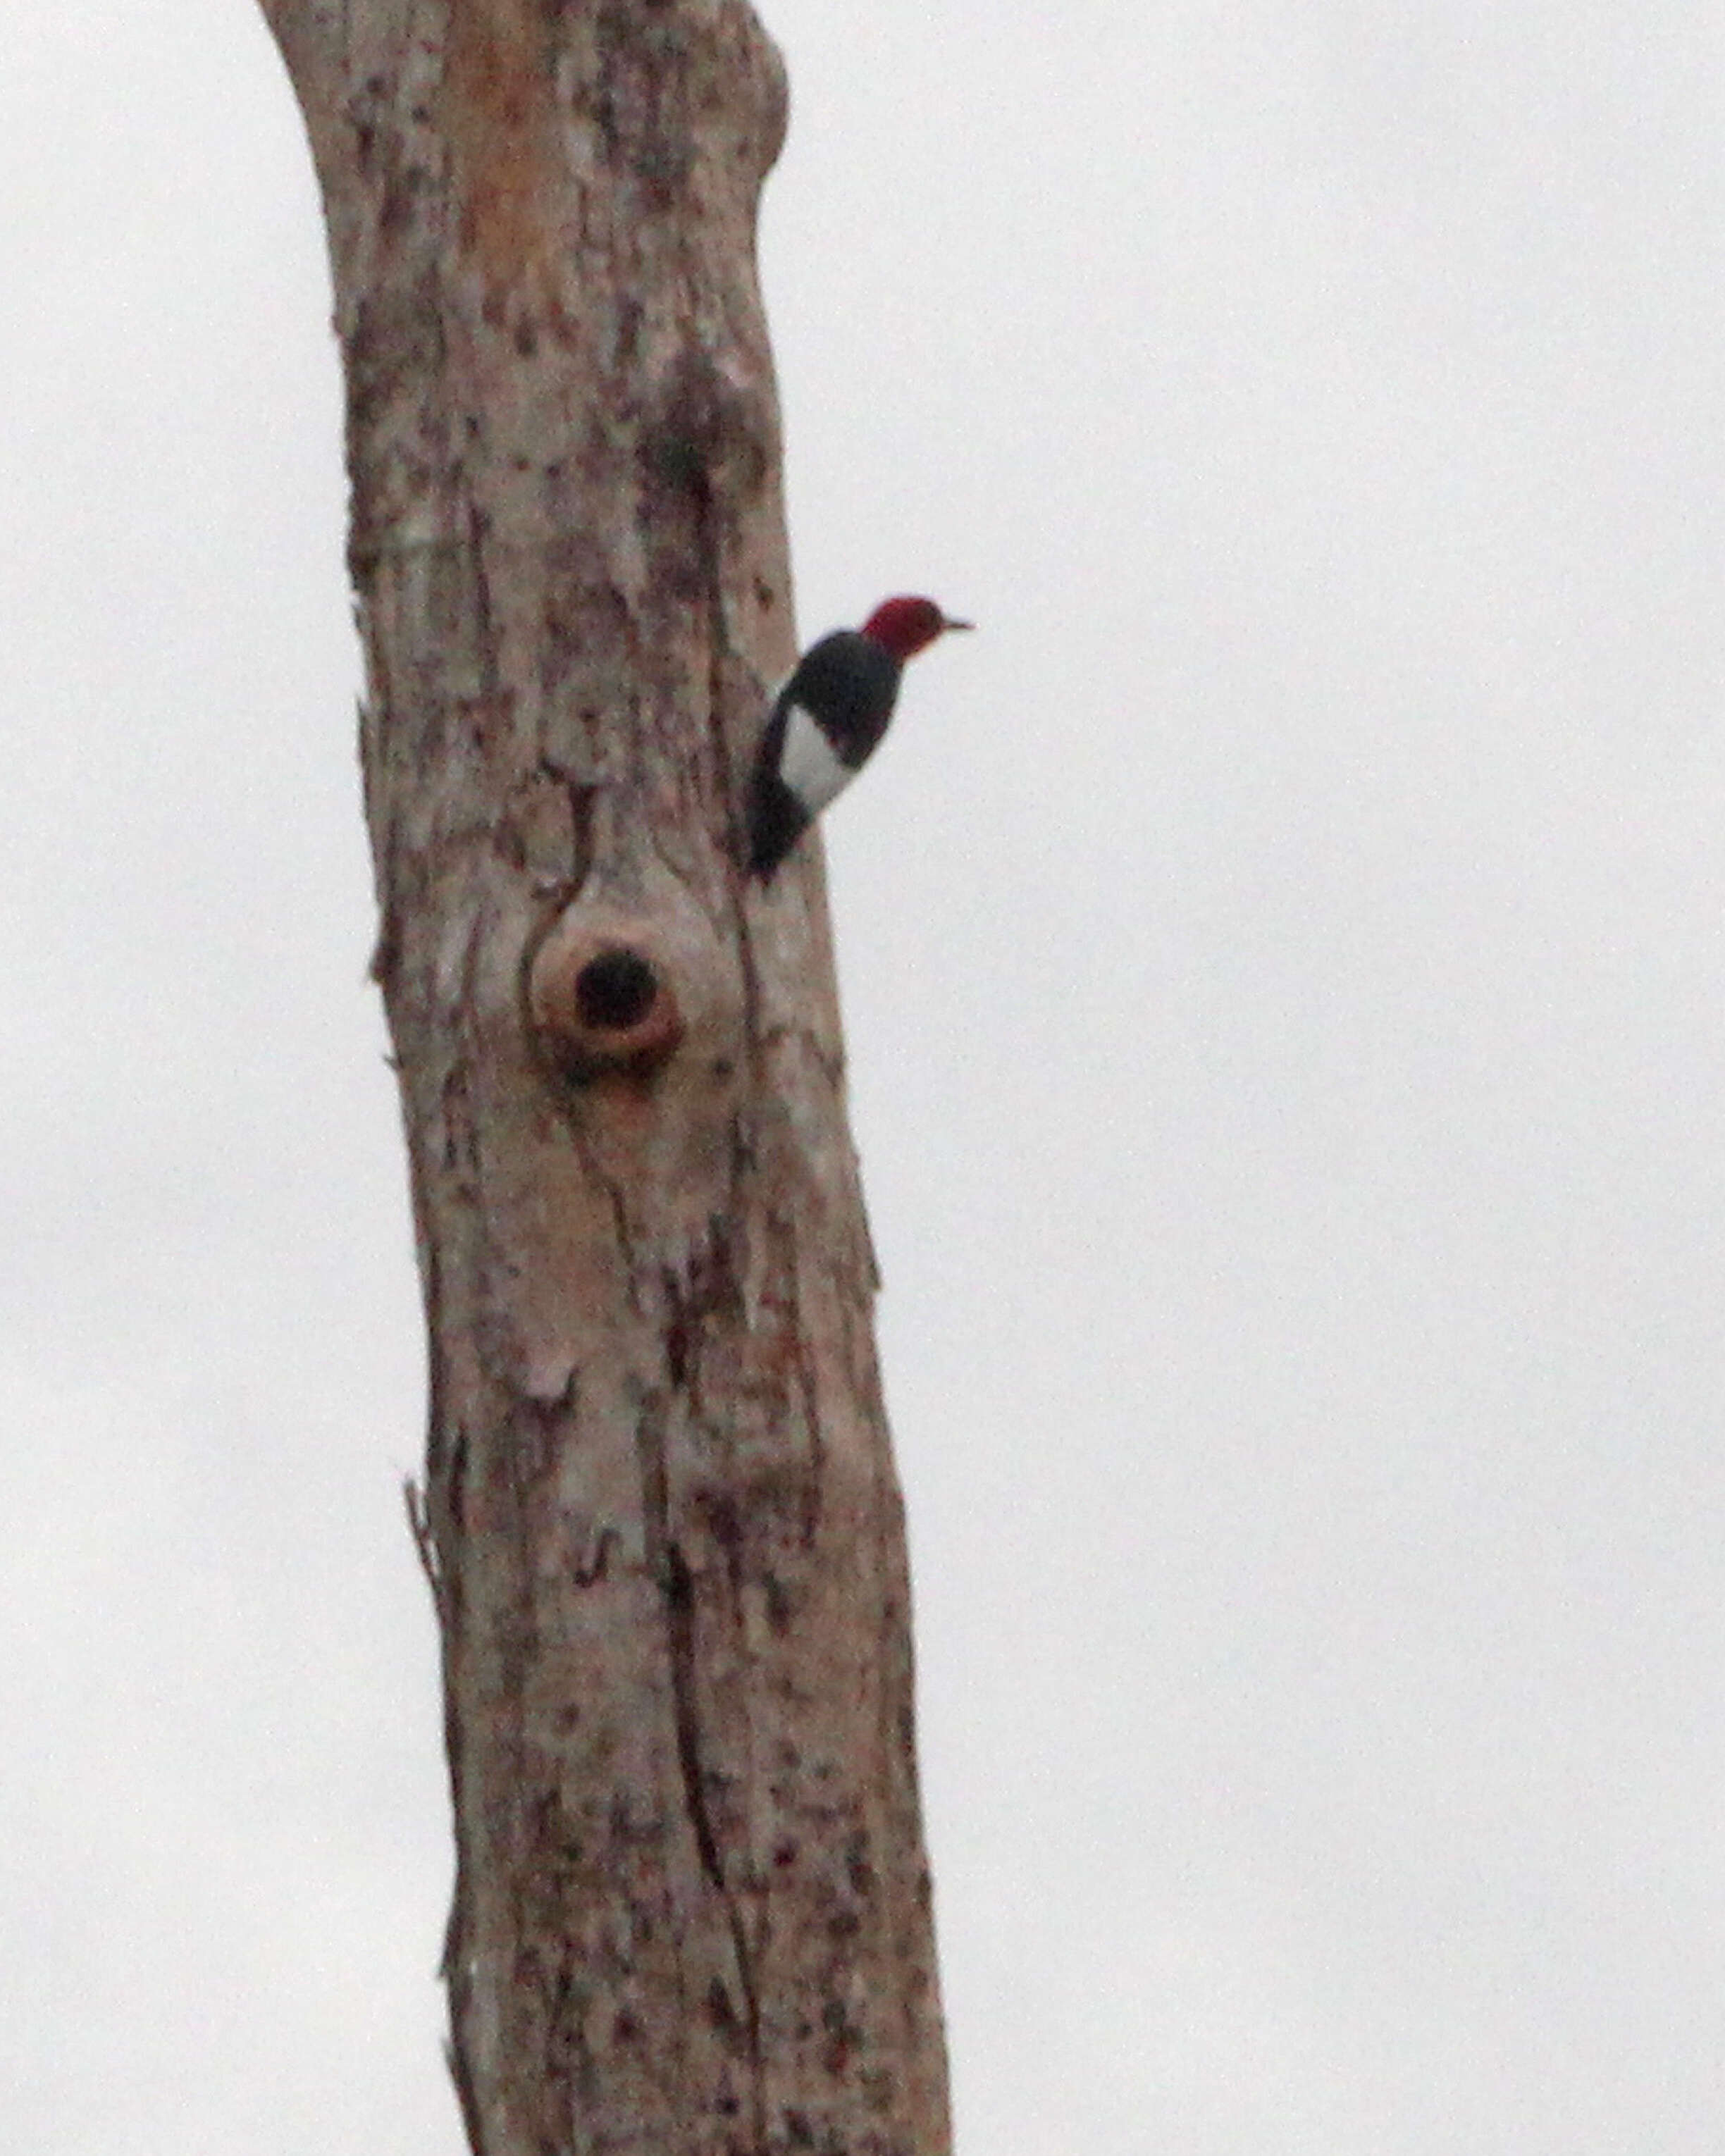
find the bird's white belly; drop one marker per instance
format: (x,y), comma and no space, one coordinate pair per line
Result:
(808,765)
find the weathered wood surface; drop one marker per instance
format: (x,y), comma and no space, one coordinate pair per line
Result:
(691,1909)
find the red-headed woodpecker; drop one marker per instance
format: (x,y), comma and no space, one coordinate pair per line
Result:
(828,720)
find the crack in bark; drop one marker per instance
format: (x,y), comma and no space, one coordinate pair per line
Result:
(808,1383)
(721,651)
(617,1202)
(434,1516)
(419,1527)
(678,1585)
(669,1569)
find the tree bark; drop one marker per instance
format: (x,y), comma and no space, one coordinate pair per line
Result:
(692,1909)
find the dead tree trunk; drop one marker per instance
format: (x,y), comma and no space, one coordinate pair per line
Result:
(692,1904)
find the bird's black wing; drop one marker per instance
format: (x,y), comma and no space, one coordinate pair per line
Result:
(851,683)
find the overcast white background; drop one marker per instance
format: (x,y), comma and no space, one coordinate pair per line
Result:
(1282,956)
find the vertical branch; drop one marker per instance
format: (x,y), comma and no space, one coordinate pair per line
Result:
(660,1517)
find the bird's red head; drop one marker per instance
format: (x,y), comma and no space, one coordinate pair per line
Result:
(905,626)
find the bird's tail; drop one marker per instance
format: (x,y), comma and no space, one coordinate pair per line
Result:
(777,820)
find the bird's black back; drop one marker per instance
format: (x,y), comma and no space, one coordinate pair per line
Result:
(850,684)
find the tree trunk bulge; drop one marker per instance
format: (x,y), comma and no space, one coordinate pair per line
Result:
(691,1905)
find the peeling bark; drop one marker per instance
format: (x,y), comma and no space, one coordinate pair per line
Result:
(660,1512)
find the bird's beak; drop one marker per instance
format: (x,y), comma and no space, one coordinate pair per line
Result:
(948,622)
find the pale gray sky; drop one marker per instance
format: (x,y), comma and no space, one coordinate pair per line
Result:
(1282,959)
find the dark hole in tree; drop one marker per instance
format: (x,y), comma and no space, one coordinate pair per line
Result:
(614,991)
